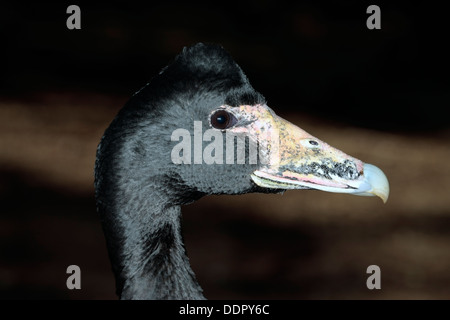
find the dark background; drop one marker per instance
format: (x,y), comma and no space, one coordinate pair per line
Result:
(380,95)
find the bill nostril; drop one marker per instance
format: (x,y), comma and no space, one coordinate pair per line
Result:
(309,143)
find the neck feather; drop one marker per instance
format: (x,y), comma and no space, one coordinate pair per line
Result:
(148,254)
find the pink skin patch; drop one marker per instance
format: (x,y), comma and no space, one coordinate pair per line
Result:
(311,179)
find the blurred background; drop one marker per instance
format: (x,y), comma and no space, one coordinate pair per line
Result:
(379,95)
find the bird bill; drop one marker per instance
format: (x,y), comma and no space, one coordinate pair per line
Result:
(294,159)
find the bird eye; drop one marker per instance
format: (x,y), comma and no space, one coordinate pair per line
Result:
(222,119)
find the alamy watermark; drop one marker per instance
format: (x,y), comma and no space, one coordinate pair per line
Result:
(374,280)
(73,22)
(74,280)
(222,147)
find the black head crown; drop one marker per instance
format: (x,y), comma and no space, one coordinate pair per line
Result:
(203,69)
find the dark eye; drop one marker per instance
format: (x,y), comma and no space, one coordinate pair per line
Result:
(222,119)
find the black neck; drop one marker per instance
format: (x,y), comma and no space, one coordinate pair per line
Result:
(148,255)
